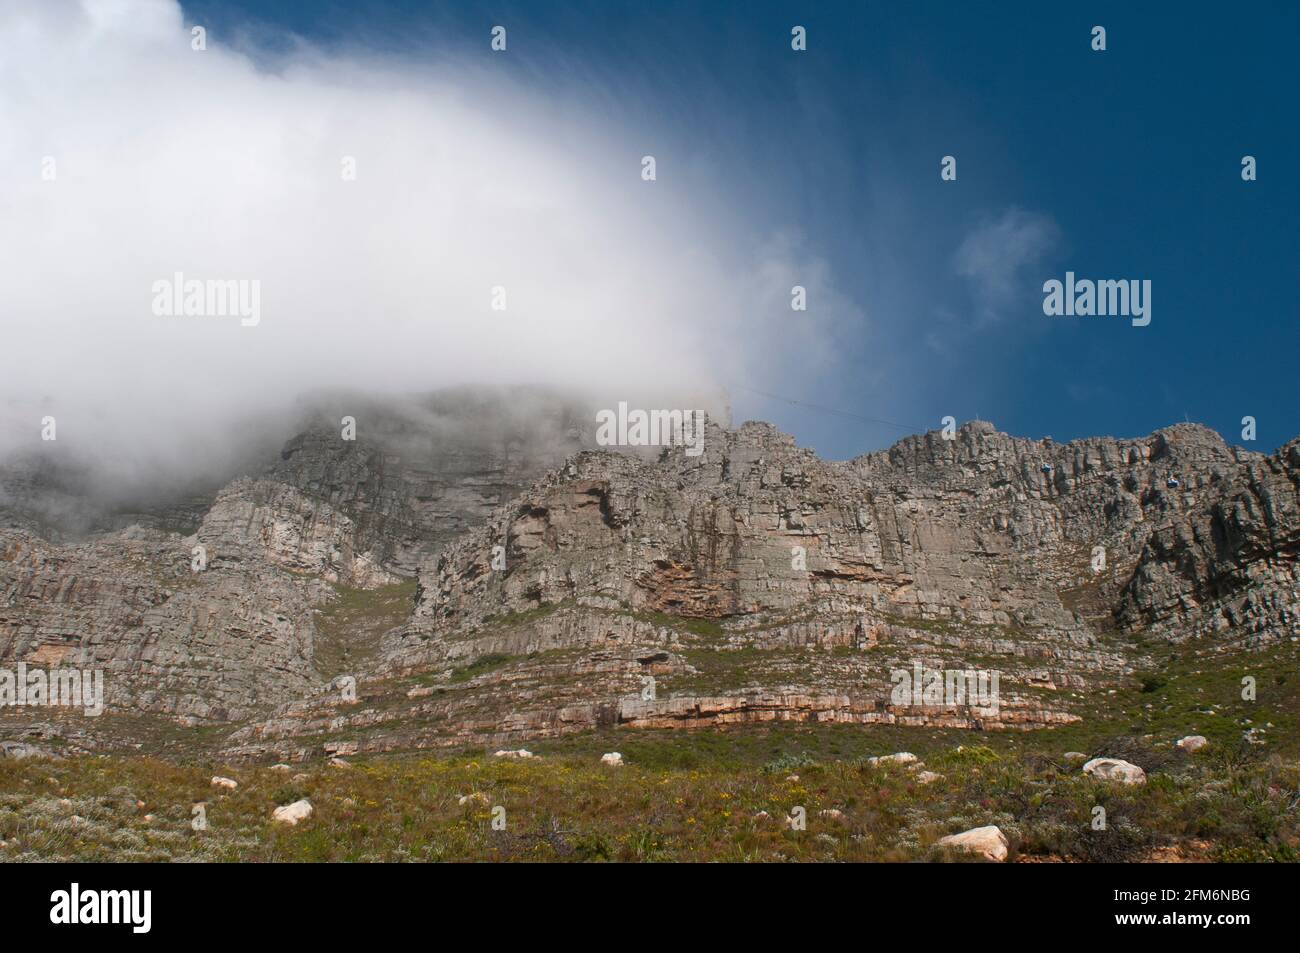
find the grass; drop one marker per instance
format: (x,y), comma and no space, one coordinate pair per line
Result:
(482,664)
(724,670)
(1182,694)
(692,796)
(350,627)
(699,795)
(705,628)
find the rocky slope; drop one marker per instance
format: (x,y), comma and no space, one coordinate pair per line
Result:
(238,635)
(562,588)
(757,582)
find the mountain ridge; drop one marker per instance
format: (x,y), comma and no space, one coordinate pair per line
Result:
(755,582)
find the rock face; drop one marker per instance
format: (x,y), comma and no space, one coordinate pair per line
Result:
(1225,565)
(261,520)
(756,582)
(418,476)
(241,635)
(562,588)
(212,644)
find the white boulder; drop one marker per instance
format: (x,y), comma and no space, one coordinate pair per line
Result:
(902,757)
(989,842)
(1192,742)
(613,758)
(291,814)
(228,783)
(1113,769)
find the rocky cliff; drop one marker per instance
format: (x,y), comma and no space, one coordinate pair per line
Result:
(237,632)
(558,588)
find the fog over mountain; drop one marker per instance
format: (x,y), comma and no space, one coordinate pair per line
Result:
(128,157)
(549,431)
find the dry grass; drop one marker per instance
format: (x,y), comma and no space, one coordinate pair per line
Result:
(565,806)
(694,795)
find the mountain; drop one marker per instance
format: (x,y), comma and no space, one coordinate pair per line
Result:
(485,574)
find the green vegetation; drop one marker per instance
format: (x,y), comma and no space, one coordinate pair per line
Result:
(699,795)
(484,663)
(686,795)
(351,626)
(705,628)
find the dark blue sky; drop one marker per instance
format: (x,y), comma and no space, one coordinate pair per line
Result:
(1120,164)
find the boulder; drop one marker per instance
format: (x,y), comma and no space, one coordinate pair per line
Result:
(291,814)
(1192,743)
(902,757)
(21,749)
(1113,769)
(520,753)
(613,758)
(228,783)
(989,842)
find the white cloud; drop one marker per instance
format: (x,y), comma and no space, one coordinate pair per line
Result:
(224,165)
(994,256)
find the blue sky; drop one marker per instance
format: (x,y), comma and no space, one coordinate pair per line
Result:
(1115,164)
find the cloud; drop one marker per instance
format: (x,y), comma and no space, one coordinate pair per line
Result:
(228,164)
(994,256)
